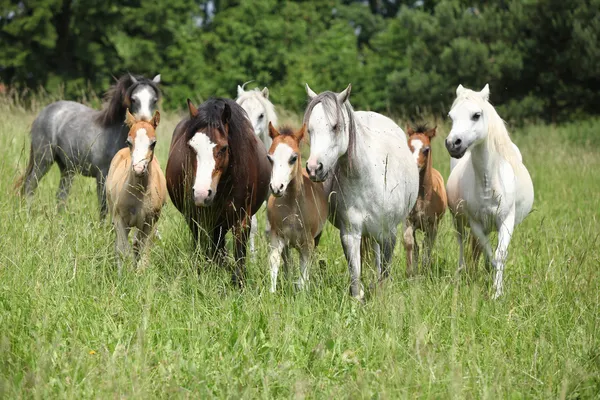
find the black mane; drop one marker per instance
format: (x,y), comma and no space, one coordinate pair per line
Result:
(118,98)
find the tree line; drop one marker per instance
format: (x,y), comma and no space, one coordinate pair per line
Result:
(403,57)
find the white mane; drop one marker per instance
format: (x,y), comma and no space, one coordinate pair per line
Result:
(498,139)
(268,106)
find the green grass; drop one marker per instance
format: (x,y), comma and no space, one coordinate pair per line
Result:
(70,328)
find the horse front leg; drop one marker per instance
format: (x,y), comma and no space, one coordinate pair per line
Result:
(122,249)
(275,259)
(505,231)
(430,235)
(387,252)
(459,224)
(305,259)
(140,244)
(351,245)
(241,232)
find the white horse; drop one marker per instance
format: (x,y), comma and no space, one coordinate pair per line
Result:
(260,112)
(371,177)
(489,188)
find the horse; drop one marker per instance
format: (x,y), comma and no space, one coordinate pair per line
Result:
(218,177)
(431,203)
(83,140)
(136,188)
(489,188)
(370,177)
(261,112)
(297,207)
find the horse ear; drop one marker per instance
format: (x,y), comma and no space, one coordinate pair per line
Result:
(299,135)
(273,132)
(265,92)
(155,119)
(345,95)
(240,90)
(431,133)
(133,80)
(226,116)
(309,92)
(156,79)
(459,90)
(409,130)
(192,108)
(129,119)
(485,92)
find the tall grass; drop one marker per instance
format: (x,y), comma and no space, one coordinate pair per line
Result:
(70,328)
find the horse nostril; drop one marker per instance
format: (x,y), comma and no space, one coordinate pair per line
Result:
(320,166)
(281,186)
(209,192)
(457,142)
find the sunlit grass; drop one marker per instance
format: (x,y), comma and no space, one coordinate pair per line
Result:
(71,328)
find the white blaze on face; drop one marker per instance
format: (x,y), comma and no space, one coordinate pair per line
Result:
(417,145)
(144,99)
(282,170)
(141,148)
(205,163)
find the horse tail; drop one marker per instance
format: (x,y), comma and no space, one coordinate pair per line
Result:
(19,186)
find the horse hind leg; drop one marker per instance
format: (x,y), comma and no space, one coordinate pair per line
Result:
(64,187)
(412,249)
(101,193)
(39,164)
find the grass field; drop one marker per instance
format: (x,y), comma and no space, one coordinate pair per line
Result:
(70,328)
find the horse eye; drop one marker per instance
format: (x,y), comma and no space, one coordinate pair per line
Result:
(223,149)
(335,127)
(293,159)
(270,158)
(476,116)
(129,142)
(426,150)
(152,145)
(261,116)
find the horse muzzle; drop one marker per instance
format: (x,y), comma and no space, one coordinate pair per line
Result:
(315,171)
(277,190)
(455,148)
(203,197)
(140,169)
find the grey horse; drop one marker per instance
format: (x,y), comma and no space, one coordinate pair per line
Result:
(83,140)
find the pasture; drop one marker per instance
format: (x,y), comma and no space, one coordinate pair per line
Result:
(71,328)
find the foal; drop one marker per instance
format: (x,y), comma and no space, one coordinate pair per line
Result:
(135,187)
(297,209)
(431,201)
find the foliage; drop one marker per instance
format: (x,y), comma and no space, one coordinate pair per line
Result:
(541,58)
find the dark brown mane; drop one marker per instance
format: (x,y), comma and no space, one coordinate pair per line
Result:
(333,112)
(118,98)
(286,130)
(421,128)
(239,141)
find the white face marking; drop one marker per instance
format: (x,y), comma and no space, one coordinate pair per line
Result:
(282,170)
(417,145)
(205,161)
(144,97)
(141,147)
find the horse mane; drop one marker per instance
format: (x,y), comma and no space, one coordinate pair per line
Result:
(498,139)
(421,128)
(333,110)
(118,98)
(239,141)
(269,107)
(286,130)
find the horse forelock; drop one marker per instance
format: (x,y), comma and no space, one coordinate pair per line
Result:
(498,138)
(333,111)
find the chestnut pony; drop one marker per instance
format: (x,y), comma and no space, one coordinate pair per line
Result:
(135,187)
(431,201)
(297,209)
(217,177)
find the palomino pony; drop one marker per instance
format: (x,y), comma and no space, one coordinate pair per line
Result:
(431,203)
(261,112)
(489,188)
(218,176)
(82,140)
(135,187)
(371,177)
(297,209)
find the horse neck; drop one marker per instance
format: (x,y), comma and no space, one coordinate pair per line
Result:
(296,186)
(484,164)
(138,184)
(426,179)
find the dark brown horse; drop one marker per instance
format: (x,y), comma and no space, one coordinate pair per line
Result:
(218,177)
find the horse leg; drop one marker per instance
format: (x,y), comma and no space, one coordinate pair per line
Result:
(387,246)
(459,223)
(476,250)
(39,165)
(122,249)
(253,233)
(408,239)
(140,243)
(240,232)
(277,248)
(64,186)
(505,231)
(351,245)
(430,235)
(305,256)
(101,193)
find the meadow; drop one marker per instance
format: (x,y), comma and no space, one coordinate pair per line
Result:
(71,328)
